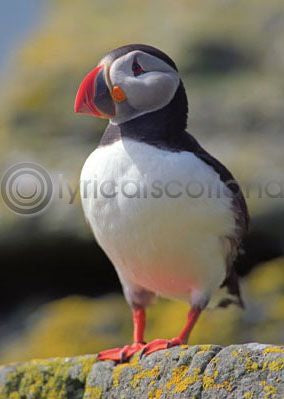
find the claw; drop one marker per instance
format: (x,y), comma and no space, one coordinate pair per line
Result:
(159,344)
(121,355)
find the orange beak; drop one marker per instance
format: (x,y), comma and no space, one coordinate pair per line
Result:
(93,96)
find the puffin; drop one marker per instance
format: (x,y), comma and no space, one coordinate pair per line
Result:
(169,216)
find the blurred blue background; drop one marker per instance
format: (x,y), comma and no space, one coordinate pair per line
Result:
(17,20)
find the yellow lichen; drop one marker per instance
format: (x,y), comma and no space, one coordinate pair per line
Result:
(86,364)
(187,381)
(275,365)
(183,353)
(117,372)
(177,375)
(209,383)
(216,373)
(93,392)
(133,364)
(146,373)
(214,361)
(248,395)
(204,348)
(180,381)
(46,378)
(135,360)
(270,391)
(273,349)
(251,366)
(155,394)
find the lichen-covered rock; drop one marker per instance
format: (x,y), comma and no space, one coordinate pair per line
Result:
(251,371)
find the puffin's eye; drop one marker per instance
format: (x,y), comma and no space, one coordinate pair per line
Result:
(137,68)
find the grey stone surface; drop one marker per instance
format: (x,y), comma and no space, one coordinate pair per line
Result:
(250,371)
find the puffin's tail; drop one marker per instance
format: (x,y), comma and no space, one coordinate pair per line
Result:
(229,293)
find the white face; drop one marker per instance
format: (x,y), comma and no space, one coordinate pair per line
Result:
(148,83)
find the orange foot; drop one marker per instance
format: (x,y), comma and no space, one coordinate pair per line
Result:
(121,354)
(159,344)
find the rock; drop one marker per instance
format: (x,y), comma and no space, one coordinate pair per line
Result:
(249,371)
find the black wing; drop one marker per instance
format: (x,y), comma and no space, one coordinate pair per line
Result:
(239,208)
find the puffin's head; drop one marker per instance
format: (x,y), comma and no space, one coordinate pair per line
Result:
(128,82)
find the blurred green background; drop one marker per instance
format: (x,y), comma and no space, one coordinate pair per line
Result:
(59,295)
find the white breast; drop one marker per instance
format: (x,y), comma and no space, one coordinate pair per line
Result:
(171,246)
